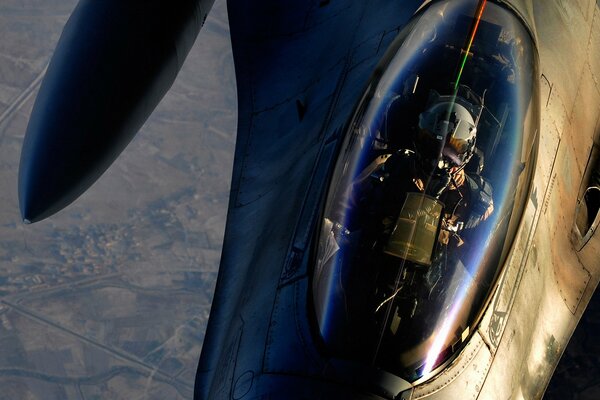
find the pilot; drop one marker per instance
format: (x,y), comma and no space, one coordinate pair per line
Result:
(411,208)
(445,145)
(436,166)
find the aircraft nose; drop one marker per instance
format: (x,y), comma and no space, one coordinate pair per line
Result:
(113,63)
(57,163)
(75,132)
(86,111)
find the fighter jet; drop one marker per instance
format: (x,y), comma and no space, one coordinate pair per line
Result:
(415,192)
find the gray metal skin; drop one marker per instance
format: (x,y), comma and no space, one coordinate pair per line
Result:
(260,342)
(301,68)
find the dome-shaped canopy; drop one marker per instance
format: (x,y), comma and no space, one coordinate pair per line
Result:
(428,190)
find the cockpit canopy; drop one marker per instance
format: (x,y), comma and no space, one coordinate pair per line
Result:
(428,189)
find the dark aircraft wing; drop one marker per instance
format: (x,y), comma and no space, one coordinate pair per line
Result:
(300,67)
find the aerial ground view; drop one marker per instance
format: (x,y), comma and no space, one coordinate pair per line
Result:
(109,298)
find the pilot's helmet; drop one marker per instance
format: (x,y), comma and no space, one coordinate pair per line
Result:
(446,136)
